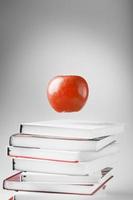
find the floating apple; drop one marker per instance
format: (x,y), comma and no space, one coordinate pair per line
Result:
(67,93)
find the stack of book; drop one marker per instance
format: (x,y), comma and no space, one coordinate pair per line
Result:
(62,159)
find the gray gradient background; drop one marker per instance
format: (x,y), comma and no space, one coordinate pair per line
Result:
(41,39)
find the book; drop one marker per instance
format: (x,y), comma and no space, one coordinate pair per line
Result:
(77,168)
(71,129)
(66,156)
(12,198)
(57,196)
(64,179)
(15,183)
(36,141)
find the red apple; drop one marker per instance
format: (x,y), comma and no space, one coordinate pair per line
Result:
(67,93)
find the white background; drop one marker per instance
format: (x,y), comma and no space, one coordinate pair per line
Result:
(42,39)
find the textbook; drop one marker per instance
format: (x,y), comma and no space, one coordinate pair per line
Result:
(15,183)
(64,179)
(66,156)
(62,159)
(71,129)
(58,196)
(77,168)
(36,141)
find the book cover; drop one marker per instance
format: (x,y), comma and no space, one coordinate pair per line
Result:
(77,168)
(71,129)
(64,179)
(15,183)
(61,156)
(37,141)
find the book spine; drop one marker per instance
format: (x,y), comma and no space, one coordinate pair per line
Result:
(9,178)
(3,185)
(21,128)
(13,164)
(10,141)
(8,151)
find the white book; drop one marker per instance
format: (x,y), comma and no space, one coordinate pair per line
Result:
(36,141)
(63,179)
(66,156)
(71,129)
(78,168)
(57,196)
(15,183)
